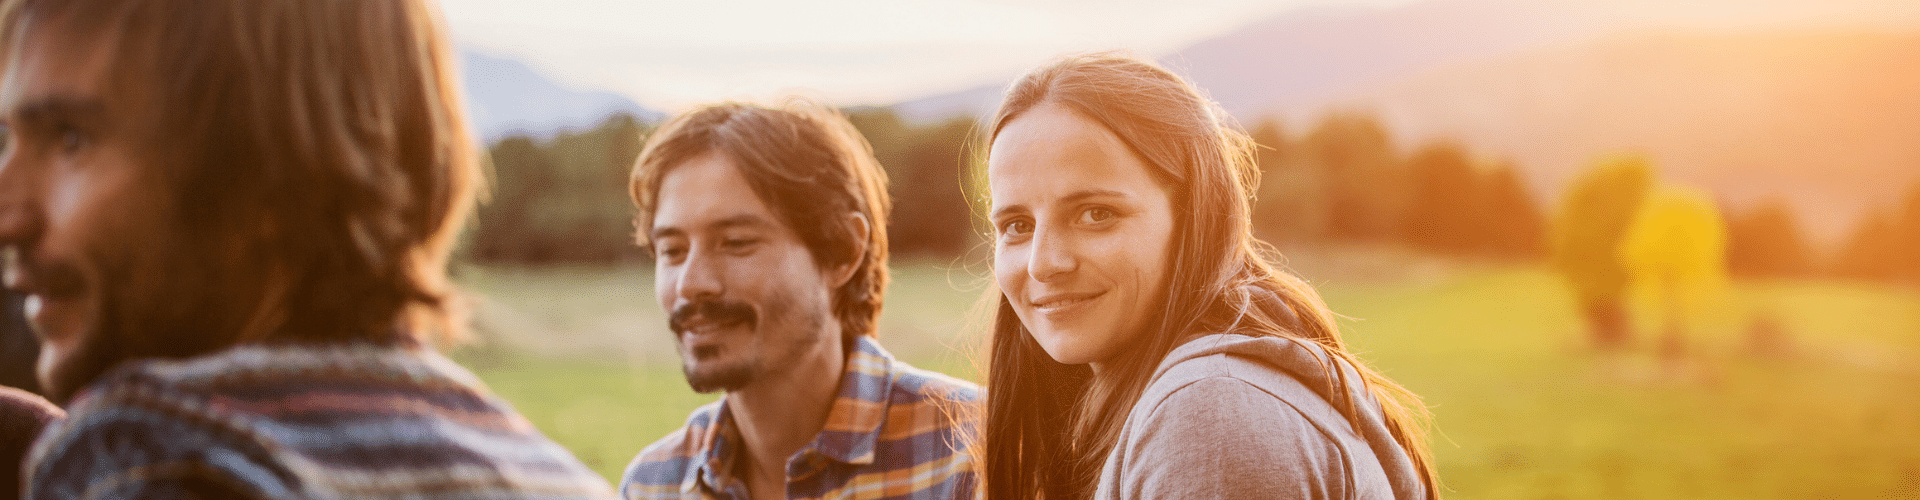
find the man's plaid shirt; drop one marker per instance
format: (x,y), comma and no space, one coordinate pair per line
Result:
(894,431)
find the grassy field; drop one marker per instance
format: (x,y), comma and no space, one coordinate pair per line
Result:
(1522,409)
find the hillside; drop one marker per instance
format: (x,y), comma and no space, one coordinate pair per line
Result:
(1304,57)
(1815,101)
(1829,120)
(506,96)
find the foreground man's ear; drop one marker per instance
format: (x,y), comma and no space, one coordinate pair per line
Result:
(861,230)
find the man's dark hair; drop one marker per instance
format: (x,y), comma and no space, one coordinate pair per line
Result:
(809,165)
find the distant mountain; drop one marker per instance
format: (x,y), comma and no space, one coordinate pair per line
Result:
(505,96)
(1305,57)
(1829,120)
(975,102)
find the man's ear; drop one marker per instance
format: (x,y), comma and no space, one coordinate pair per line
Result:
(861,231)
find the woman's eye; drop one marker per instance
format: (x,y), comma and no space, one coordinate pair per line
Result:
(1018,227)
(1097,215)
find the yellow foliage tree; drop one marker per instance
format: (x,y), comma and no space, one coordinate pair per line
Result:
(1675,250)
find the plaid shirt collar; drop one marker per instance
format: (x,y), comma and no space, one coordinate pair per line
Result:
(850,435)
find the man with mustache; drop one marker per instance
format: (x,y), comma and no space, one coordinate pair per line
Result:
(768,229)
(231,221)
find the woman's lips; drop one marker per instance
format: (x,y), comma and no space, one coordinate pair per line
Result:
(1064,302)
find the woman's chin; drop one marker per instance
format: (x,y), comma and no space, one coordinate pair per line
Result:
(1069,351)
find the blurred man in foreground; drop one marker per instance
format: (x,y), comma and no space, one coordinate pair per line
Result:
(231,220)
(22,415)
(768,229)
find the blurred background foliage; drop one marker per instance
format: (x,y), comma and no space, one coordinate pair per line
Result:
(1342,181)
(562,200)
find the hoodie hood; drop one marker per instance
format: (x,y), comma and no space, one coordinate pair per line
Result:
(1329,377)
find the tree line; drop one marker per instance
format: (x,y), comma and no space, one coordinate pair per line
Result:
(1344,179)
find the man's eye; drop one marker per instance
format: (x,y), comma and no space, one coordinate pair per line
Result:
(671,252)
(71,140)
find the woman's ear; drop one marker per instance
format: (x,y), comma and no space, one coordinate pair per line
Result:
(860,231)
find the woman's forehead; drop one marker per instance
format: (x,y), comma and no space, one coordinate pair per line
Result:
(1050,148)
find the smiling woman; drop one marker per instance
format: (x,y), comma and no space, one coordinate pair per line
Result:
(1083,241)
(1139,316)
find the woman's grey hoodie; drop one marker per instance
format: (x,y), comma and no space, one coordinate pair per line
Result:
(1234,416)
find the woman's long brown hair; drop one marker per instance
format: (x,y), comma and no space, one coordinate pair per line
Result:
(1049,426)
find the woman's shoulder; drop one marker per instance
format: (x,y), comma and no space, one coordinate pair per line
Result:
(1229,381)
(1288,369)
(1224,418)
(1239,378)
(1236,416)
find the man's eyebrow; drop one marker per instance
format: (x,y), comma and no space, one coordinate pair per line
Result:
(57,109)
(747,220)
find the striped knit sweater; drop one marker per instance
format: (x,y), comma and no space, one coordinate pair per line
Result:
(319,422)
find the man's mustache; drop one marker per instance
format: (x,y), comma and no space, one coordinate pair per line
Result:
(33,275)
(711,311)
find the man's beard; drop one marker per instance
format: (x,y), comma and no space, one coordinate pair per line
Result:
(727,377)
(723,378)
(92,355)
(145,315)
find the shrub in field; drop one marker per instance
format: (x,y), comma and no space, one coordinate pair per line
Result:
(1462,209)
(923,163)
(1675,250)
(1765,241)
(1448,213)
(1885,246)
(1586,232)
(1291,203)
(1363,177)
(560,200)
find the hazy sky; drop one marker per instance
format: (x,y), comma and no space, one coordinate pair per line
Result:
(673,54)
(670,55)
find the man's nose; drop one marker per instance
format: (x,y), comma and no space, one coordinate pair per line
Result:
(20,221)
(700,277)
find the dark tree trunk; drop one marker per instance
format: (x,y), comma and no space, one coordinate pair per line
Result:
(1607,323)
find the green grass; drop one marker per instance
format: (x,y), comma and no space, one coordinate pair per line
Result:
(1522,409)
(601,410)
(585,355)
